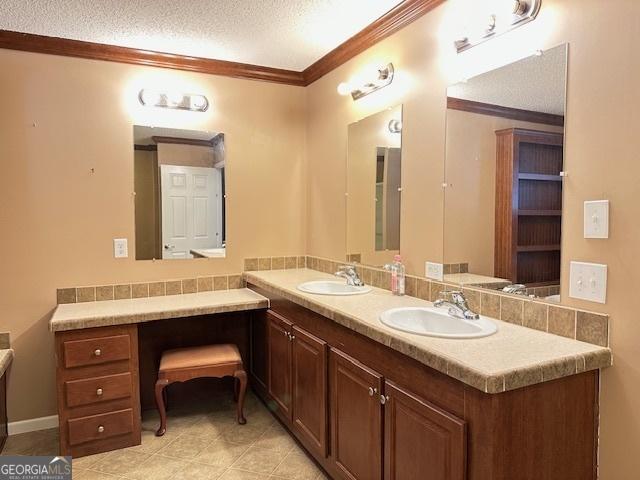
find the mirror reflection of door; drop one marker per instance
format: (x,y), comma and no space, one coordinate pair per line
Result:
(180,194)
(388,173)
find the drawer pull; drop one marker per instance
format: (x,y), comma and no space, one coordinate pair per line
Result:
(99,392)
(97,352)
(100,429)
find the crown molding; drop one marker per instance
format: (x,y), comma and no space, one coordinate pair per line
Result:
(504,112)
(395,19)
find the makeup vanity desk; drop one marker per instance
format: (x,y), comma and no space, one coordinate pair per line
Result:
(105,355)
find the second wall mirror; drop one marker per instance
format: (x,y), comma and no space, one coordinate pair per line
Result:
(504,177)
(374,176)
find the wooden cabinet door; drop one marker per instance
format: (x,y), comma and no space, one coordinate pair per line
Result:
(421,440)
(279,335)
(259,363)
(356,418)
(310,389)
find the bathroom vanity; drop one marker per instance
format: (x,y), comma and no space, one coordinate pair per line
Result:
(363,402)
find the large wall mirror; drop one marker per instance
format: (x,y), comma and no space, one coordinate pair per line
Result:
(374,170)
(504,176)
(179,193)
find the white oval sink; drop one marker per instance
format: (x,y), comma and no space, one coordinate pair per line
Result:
(328,287)
(434,322)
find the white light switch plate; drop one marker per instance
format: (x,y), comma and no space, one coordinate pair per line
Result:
(120,248)
(596,219)
(434,271)
(588,281)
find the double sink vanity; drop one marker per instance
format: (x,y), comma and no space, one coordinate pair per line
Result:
(372,385)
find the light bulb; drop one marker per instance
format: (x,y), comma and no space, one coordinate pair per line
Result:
(198,102)
(175,98)
(149,97)
(344,88)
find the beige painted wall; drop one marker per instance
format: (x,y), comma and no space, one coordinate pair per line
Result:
(62,117)
(188,155)
(601,160)
(147,208)
(470,172)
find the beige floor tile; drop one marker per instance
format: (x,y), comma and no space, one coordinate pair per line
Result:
(185,446)
(275,438)
(156,468)
(42,442)
(210,426)
(119,462)
(90,475)
(221,453)
(88,461)
(259,460)
(151,443)
(193,470)
(244,434)
(233,474)
(297,467)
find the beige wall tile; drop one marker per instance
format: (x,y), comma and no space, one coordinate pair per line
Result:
(86,294)
(423,289)
(436,289)
(411,286)
(5,340)
(205,284)
(121,292)
(235,281)
(302,262)
(189,285)
(172,287)
(535,315)
(562,321)
(473,299)
(277,263)
(66,295)
(290,262)
(156,289)
(251,265)
(511,310)
(139,290)
(592,328)
(104,292)
(490,305)
(220,282)
(264,263)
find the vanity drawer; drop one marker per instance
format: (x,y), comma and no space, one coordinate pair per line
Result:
(94,351)
(98,427)
(98,389)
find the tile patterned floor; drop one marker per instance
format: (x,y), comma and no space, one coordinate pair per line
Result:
(202,442)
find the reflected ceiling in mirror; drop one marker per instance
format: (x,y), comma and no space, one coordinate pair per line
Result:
(504,177)
(179,180)
(374,170)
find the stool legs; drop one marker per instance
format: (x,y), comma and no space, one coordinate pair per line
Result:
(160,399)
(240,389)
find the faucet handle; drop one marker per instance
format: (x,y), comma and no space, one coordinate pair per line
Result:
(454,296)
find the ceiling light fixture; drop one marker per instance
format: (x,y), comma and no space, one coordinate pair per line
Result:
(175,100)
(509,15)
(384,78)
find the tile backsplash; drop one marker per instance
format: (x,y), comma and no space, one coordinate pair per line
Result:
(150,289)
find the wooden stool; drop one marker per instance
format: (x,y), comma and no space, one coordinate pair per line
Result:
(184,364)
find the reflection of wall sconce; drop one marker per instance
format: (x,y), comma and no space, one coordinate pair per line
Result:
(385,77)
(180,101)
(512,15)
(395,126)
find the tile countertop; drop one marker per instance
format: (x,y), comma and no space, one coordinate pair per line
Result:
(512,358)
(75,316)
(6,357)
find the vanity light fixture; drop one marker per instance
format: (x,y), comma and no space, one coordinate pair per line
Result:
(175,100)
(512,14)
(395,126)
(384,78)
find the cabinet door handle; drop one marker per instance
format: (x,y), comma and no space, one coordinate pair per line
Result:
(372,391)
(384,399)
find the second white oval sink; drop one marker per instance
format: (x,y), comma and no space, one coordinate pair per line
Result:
(328,287)
(434,322)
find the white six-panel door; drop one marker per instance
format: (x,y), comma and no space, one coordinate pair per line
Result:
(191,209)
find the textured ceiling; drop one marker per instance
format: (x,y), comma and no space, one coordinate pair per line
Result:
(289,34)
(533,83)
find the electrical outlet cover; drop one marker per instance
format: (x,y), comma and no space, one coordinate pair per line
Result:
(120,248)
(434,271)
(588,281)
(596,219)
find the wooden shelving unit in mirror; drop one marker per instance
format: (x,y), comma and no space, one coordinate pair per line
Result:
(528,206)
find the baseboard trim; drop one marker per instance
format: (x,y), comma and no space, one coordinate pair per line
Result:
(33,425)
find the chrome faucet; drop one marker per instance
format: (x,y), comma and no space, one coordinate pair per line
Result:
(349,272)
(457,305)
